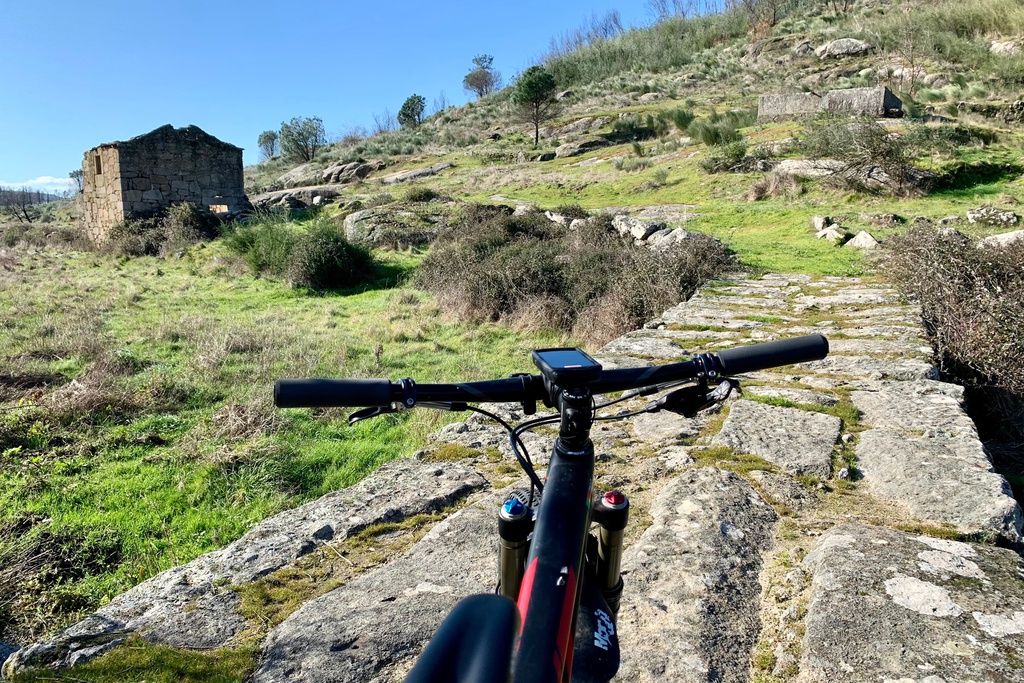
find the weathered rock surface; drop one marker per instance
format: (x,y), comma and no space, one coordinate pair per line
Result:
(384,227)
(863,240)
(383,618)
(796,440)
(690,609)
(1003,239)
(635,227)
(404,176)
(644,346)
(193,606)
(924,453)
(844,47)
(350,172)
(889,606)
(989,215)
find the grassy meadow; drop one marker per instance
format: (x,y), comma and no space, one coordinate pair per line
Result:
(136,422)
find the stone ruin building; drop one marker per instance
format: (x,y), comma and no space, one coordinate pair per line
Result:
(139,177)
(878,102)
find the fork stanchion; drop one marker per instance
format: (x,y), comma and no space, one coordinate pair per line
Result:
(515,522)
(611,513)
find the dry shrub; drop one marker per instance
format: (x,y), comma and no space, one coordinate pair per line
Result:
(536,273)
(37,565)
(97,391)
(972,301)
(776,185)
(237,421)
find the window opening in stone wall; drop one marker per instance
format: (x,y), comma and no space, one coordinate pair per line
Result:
(99,165)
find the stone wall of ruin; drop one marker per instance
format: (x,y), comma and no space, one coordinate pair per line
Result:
(142,176)
(101,201)
(160,171)
(791,106)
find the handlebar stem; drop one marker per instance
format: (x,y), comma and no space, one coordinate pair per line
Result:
(577,409)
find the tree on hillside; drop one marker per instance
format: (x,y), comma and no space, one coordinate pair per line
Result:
(534,98)
(301,138)
(411,113)
(483,78)
(267,142)
(18,203)
(76,177)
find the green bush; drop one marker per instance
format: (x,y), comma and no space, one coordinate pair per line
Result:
(266,241)
(170,231)
(681,118)
(422,194)
(323,259)
(860,146)
(720,132)
(725,157)
(531,271)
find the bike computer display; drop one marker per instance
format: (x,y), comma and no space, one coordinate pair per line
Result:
(567,367)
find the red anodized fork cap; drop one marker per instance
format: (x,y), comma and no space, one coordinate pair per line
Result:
(614,499)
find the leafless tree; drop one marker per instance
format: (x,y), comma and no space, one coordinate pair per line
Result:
(384,122)
(440,103)
(18,202)
(77,179)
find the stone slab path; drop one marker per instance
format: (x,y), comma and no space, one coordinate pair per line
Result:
(800,533)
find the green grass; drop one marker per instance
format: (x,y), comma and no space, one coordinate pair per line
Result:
(137,661)
(175,448)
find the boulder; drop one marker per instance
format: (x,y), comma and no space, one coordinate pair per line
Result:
(565,95)
(635,227)
(989,215)
(571,149)
(832,233)
(844,47)
(1003,239)
(650,97)
(1005,48)
(819,223)
(403,176)
(885,220)
(304,174)
(803,48)
(384,227)
(350,172)
(863,240)
(546,156)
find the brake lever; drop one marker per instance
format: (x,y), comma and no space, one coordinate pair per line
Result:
(367,413)
(690,400)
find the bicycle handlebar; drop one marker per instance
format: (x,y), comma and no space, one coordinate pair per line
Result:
(330,393)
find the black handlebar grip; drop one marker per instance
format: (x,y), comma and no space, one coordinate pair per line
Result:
(772,354)
(331,393)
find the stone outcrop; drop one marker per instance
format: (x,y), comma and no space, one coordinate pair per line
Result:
(696,617)
(798,441)
(350,172)
(414,174)
(843,47)
(779,107)
(148,173)
(887,605)
(989,215)
(385,227)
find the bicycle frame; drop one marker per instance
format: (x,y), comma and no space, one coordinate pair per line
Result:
(554,568)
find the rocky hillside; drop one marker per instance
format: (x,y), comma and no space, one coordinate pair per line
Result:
(845,496)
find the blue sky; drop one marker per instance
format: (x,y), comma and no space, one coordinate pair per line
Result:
(82,72)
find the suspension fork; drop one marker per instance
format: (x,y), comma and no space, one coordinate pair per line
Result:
(553,580)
